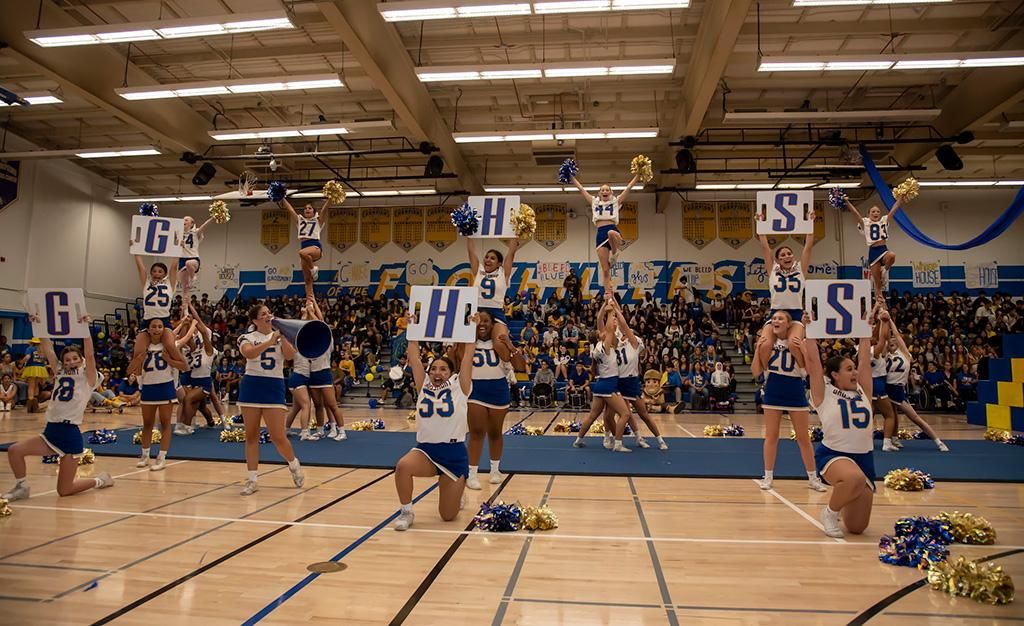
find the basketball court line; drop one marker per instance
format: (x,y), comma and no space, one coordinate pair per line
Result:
(683,428)
(513,580)
(666,597)
(138,471)
(799,511)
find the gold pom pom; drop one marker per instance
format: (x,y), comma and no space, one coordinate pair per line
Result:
(334,192)
(5,508)
(968,528)
(534,430)
(411,416)
(87,457)
(524,221)
(563,426)
(982,582)
(539,518)
(715,430)
(903,433)
(597,428)
(995,434)
(235,435)
(641,166)
(903,479)
(907,190)
(361,425)
(137,438)
(219,212)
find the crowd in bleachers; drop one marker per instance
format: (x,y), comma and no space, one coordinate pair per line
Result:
(949,337)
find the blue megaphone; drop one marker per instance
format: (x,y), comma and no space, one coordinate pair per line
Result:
(310,337)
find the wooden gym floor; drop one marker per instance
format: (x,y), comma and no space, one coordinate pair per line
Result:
(181,546)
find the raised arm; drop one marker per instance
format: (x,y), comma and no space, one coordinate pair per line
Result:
(583,192)
(291,210)
(805,256)
(629,186)
(321,215)
(466,368)
(626,330)
(882,346)
(510,257)
(205,224)
(204,331)
(192,329)
(864,364)
(853,209)
(47,348)
(474,260)
(141,269)
(89,353)
(895,207)
(762,352)
(898,336)
(412,353)
(766,251)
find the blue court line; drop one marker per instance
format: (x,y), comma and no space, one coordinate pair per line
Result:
(499,615)
(297,587)
(666,597)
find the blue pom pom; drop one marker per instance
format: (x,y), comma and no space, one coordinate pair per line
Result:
(378,424)
(1016,440)
(925,478)
(465,220)
(567,171)
(148,209)
(517,429)
(373,403)
(237,419)
(628,430)
(102,436)
(264,435)
(733,430)
(837,198)
(817,434)
(499,518)
(276,191)
(575,426)
(919,434)
(50,459)
(910,551)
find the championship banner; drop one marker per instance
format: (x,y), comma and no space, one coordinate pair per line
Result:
(628,227)
(735,222)
(551,224)
(374,227)
(8,182)
(440,230)
(926,274)
(981,275)
(275,229)
(699,223)
(277,277)
(227,276)
(551,273)
(342,227)
(407,226)
(819,219)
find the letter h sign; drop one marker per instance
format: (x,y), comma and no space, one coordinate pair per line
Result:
(443,314)
(495,215)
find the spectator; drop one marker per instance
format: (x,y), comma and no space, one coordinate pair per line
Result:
(8,392)
(579,385)
(673,385)
(128,391)
(571,337)
(937,386)
(528,334)
(699,387)
(399,379)
(544,375)
(562,362)
(966,384)
(720,383)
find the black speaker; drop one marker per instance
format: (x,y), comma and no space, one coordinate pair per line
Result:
(686,163)
(948,158)
(204,174)
(435,165)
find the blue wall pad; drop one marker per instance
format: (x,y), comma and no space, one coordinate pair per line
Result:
(982,461)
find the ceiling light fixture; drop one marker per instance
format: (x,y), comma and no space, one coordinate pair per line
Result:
(225,87)
(837,3)
(35,98)
(160,29)
(190,198)
(545,189)
(532,135)
(418,10)
(83,153)
(882,62)
(310,130)
(787,117)
(462,73)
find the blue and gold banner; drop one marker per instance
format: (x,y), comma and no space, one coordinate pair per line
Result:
(699,223)
(342,227)
(628,222)
(407,226)
(440,232)
(735,222)
(275,229)
(551,224)
(374,227)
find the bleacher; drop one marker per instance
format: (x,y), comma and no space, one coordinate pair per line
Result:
(1000,401)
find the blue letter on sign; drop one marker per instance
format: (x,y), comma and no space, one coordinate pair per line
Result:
(836,292)
(493,217)
(58,322)
(156,237)
(449,314)
(781,200)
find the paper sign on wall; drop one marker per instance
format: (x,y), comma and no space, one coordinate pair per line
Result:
(838,308)
(784,212)
(59,312)
(443,314)
(926,274)
(495,215)
(157,236)
(981,275)
(354,273)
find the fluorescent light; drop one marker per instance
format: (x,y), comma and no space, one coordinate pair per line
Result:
(857,65)
(155,94)
(403,15)
(571,6)
(994,62)
(105,153)
(511,74)
(830,3)
(566,72)
(1010,183)
(460,73)
(193,198)
(35,98)
(795,185)
(957,183)
(882,62)
(431,77)
(755,185)
(927,64)
(166,29)
(713,186)
(310,130)
(580,134)
(494,10)
(139,199)
(441,10)
(397,192)
(530,137)
(224,87)
(416,192)
(873,115)
(842,185)
(636,70)
(641,134)
(626,5)
(212,90)
(257,87)
(314,84)
(271,134)
(232,136)
(480,139)
(783,66)
(313,131)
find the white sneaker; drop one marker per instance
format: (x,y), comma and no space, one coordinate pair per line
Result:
(662,445)
(578,443)
(340,435)
(329,431)
(942,447)
(816,484)
(888,447)
(642,443)
(298,476)
(309,436)
(104,480)
(250,487)
(897,443)
(315,273)
(473,482)
(496,478)
(179,429)
(831,523)
(159,465)
(620,448)
(20,492)
(609,442)
(404,521)
(143,462)
(765,483)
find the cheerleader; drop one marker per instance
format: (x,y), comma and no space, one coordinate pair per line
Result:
(261,394)
(780,357)
(34,372)
(298,384)
(188,264)
(786,281)
(309,223)
(199,387)
(441,427)
(75,379)
(490,399)
(157,296)
(158,394)
(605,214)
(876,232)
(879,395)
(627,357)
(605,387)
(897,371)
(321,383)
(843,458)
(491,278)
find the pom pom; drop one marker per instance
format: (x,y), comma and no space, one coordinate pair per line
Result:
(102,436)
(5,508)
(567,171)
(361,425)
(816,433)
(905,479)
(50,459)
(837,198)
(237,419)
(562,426)
(714,430)
(368,377)
(277,191)
(232,436)
(919,434)
(378,424)
(373,403)
(411,416)
(539,518)
(519,429)
(995,434)
(534,431)
(733,430)
(264,435)
(982,582)
(928,529)
(597,428)
(641,166)
(465,220)
(88,457)
(903,433)
(334,192)
(910,551)
(219,212)
(1016,440)
(968,528)
(878,434)
(137,437)
(627,430)
(499,518)
(907,190)
(524,222)
(148,209)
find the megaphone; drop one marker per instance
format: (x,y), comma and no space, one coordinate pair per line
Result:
(310,337)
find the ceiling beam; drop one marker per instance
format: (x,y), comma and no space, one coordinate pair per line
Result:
(379,49)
